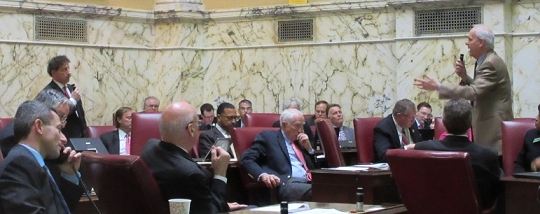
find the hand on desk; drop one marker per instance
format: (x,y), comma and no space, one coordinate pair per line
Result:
(270,181)
(236,206)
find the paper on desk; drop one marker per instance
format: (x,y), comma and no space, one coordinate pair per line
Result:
(293,207)
(349,168)
(321,211)
(375,165)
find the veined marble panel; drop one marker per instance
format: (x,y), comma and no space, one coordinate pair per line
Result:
(493,16)
(242,33)
(362,25)
(16,26)
(179,34)
(526,17)
(121,33)
(525,76)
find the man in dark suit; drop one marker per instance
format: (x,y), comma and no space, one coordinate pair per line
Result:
(396,130)
(119,140)
(59,70)
(26,184)
(208,119)
(62,172)
(457,117)
(177,175)
(283,158)
(226,115)
(244,107)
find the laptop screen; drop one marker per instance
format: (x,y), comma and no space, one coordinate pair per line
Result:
(224,143)
(88,144)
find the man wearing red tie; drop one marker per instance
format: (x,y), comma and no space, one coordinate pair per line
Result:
(283,158)
(60,72)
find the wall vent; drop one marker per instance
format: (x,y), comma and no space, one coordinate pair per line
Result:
(447,21)
(58,29)
(295,30)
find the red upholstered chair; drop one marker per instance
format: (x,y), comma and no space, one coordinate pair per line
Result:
(513,133)
(261,119)
(307,116)
(363,134)
(258,193)
(435,181)
(123,184)
(330,144)
(1,156)
(438,127)
(97,131)
(144,126)
(4,122)
(194,152)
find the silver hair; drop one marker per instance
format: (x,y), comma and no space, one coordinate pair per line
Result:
(176,129)
(287,116)
(289,102)
(484,33)
(150,97)
(53,98)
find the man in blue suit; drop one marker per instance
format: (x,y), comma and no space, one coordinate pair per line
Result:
(283,158)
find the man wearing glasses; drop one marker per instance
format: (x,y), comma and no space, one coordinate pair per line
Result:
(151,104)
(320,113)
(396,130)
(226,117)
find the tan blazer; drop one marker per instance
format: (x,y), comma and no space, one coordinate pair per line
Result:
(491,91)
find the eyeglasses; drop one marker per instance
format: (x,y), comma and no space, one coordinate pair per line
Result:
(153,106)
(63,119)
(234,117)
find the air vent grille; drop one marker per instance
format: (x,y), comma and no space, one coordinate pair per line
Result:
(58,29)
(447,21)
(295,30)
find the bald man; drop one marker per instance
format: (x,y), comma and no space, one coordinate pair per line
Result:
(177,175)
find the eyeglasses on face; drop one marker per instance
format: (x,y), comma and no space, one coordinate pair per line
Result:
(234,117)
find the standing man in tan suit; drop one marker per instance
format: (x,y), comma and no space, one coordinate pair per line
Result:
(490,90)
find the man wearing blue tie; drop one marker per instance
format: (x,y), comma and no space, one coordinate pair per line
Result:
(26,184)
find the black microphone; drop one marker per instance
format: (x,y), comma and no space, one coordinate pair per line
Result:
(461,57)
(86,192)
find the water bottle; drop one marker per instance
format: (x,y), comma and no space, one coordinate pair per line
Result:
(359,199)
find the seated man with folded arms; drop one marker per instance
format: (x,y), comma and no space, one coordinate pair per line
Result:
(177,175)
(528,159)
(207,114)
(292,103)
(244,107)
(26,183)
(226,116)
(320,113)
(119,140)
(396,130)
(283,158)
(457,118)
(151,104)
(62,172)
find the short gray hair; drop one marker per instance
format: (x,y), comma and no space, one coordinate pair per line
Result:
(150,97)
(287,116)
(176,128)
(402,106)
(53,98)
(289,102)
(484,33)
(27,113)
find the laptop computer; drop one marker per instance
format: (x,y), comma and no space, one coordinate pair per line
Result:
(427,134)
(224,143)
(533,175)
(347,144)
(88,144)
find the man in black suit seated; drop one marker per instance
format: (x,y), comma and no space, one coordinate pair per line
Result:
(424,118)
(60,72)
(292,103)
(320,113)
(226,116)
(528,159)
(283,158)
(119,140)
(62,172)
(457,118)
(26,183)
(177,175)
(207,114)
(244,107)
(396,130)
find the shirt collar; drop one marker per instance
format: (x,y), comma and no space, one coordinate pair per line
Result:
(285,137)
(481,59)
(59,84)
(36,155)
(223,132)
(121,133)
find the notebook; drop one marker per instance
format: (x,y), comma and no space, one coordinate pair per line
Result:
(224,143)
(533,175)
(88,144)
(427,134)
(347,144)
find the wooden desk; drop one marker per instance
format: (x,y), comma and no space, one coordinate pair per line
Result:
(521,195)
(340,186)
(388,208)
(85,206)
(349,155)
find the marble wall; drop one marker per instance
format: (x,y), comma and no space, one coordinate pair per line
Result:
(362,57)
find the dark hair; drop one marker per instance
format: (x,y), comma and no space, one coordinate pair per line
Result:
(423,104)
(330,106)
(457,116)
(245,101)
(206,107)
(27,113)
(539,109)
(402,106)
(119,113)
(55,63)
(221,108)
(321,102)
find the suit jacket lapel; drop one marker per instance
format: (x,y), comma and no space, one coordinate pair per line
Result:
(116,139)
(282,146)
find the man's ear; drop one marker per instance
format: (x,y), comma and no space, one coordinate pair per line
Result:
(38,125)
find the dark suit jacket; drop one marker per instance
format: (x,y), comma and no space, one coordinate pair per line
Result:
(238,123)
(385,137)
(268,154)
(207,139)
(528,153)
(70,191)
(111,142)
(178,176)
(25,187)
(484,161)
(76,125)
